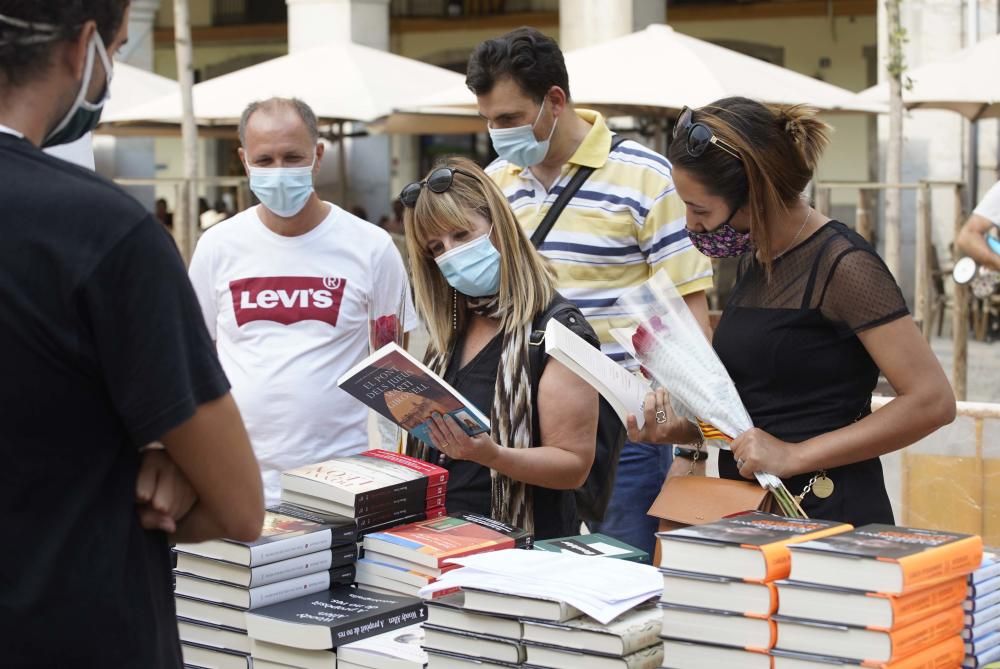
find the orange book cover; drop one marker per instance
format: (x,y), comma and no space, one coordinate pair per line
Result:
(934,629)
(911,607)
(947,654)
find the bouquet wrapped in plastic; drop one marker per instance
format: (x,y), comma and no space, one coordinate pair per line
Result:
(661,333)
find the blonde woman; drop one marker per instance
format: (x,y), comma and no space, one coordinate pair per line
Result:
(481,288)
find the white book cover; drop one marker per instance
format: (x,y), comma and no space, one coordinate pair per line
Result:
(623,390)
(398,649)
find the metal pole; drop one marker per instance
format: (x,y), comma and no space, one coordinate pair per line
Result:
(188,224)
(923,264)
(894,159)
(960,317)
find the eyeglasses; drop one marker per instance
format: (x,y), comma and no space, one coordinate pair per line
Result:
(437,181)
(699,136)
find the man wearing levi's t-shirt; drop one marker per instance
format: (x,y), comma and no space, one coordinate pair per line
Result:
(287,289)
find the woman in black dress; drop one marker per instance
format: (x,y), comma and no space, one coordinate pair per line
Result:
(813,317)
(480,286)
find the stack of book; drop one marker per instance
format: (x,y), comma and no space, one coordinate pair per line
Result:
(982,613)
(878,596)
(216,582)
(340,627)
(718,588)
(594,545)
(456,637)
(481,629)
(376,488)
(405,558)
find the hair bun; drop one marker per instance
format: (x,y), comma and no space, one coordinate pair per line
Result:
(809,134)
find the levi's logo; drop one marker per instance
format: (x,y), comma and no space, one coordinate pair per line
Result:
(287,299)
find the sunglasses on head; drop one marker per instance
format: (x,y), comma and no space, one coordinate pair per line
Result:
(438,181)
(698,136)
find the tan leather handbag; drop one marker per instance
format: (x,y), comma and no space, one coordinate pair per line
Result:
(695,500)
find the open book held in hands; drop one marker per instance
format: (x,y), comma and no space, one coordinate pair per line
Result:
(404,390)
(623,390)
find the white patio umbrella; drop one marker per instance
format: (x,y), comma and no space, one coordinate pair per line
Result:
(131,86)
(676,70)
(966,82)
(342,82)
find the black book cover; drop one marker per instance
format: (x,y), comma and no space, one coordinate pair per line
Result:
(373,524)
(349,614)
(342,575)
(522,538)
(343,530)
(752,529)
(890,542)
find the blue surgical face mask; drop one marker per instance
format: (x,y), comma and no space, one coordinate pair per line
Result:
(472,269)
(519,145)
(83,116)
(283,190)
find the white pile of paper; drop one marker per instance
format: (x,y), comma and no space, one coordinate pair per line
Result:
(603,588)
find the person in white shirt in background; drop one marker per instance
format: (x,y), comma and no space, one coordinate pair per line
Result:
(974,240)
(287,289)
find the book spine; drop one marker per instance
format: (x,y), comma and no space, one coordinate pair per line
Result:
(921,634)
(958,558)
(378,623)
(365,523)
(991,570)
(285,590)
(979,617)
(343,530)
(343,575)
(984,628)
(984,587)
(982,602)
(288,569)
(408,490)
(284,549)
(922,603)
(777,557)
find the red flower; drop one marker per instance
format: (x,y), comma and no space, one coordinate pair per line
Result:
(644,340)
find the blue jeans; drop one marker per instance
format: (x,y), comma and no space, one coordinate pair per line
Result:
(642,468)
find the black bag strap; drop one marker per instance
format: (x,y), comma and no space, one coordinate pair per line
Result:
(552,215)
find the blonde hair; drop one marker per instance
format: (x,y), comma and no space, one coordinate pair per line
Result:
(779,148)
(527,284)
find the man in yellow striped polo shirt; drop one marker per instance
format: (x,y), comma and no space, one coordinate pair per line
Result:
(624,224)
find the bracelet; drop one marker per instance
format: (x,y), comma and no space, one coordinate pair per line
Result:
(687,453)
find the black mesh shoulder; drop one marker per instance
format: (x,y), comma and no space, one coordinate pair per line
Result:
(853,287)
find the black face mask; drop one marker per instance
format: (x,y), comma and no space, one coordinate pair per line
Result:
(83,116)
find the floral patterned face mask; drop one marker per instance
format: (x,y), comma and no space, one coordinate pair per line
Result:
(723,242)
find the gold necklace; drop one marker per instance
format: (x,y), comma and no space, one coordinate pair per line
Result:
(796,237)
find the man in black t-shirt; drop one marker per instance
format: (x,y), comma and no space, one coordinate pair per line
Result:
(102,351)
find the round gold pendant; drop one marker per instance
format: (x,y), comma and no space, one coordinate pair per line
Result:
(823,487)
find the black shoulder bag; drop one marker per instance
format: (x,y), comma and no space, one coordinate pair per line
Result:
(593,496)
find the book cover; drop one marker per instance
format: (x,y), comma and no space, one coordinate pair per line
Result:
(205,634)
(333,618)
(357,480)
(398,648)
(196,655)
(208,612)
(944,655)
(482,646)
(866,645)
(449,612)
(282,537)
(624,391)
(872,610)
(771,535)
(343,529)
(252,577)
(626,634)
(397,386)
(727,628)
(595,545)
(431,542)
(987,659)
(719,592)
(522,538)
(973,618)
(989,568)
(980,588)
(252,598)
(982,630)
(650,657)
(887,558)
(980,645)
(680,654)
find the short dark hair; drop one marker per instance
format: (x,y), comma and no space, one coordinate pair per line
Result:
(304,111)
(26,50)
(533,60)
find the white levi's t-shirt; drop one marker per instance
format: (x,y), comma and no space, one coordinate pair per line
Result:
(289,316)
(989,206)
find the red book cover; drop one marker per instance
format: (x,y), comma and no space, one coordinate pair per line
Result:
(431,542)
(434,474)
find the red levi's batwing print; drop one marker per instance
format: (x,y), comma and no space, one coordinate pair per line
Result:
(287,299)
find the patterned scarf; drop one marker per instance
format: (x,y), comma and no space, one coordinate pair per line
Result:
(511,420)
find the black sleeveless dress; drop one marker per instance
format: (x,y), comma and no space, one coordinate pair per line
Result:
(791,347)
